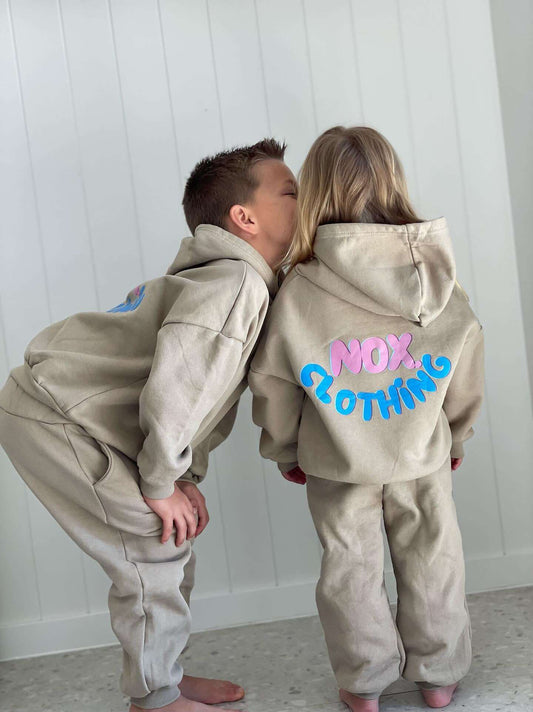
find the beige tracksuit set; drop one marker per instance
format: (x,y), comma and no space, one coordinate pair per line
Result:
(369,375)
(109,406)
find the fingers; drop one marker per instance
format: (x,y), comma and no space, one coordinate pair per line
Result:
(300,478)
(167,529)
(185,523)
(189,527)
(296,475)
(182,497)
(187,513)
(203,517)
(181,530)
(197,500)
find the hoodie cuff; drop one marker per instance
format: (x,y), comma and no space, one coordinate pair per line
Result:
(286,466)
(156,491)
(189,476)
(457,449)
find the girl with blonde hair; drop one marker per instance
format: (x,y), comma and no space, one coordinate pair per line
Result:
(366,383)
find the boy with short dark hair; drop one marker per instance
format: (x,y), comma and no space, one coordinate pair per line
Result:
(110,411)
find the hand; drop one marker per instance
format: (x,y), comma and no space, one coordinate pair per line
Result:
(176,508)
(295,475)
(456,461)
(197,499)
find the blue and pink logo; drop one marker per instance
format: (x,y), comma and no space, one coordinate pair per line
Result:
(133,300)
(356,356)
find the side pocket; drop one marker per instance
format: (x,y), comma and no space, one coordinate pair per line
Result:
(110,461)
(121,498)
(95,458)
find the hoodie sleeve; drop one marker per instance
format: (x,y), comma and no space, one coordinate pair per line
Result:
(190,372)
(465,392)
(276,409)
(198,351)
(200,453)
(277,401)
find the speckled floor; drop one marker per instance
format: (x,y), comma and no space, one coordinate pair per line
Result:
(284,666)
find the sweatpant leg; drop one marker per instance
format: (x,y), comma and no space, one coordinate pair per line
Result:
(86,486)
(426,550)
(189,576)
(363,644)
(188,583)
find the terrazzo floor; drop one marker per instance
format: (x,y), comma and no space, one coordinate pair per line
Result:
(284,666)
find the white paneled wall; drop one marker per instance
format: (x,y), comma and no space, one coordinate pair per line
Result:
(105,108)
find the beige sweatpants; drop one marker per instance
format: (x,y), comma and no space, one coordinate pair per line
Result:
(92,490)
(430,641)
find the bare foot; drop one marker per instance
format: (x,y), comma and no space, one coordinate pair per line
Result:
(211,692)
(182,704)
(440,697)
(358,704)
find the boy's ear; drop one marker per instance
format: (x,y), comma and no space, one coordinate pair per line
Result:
(241,217)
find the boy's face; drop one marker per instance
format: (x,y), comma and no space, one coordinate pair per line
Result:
(268,220)
(274,202)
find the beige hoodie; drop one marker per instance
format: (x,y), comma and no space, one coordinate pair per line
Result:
(370,366)
(159,376)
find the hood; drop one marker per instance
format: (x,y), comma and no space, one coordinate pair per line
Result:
(394,270)
(214,243)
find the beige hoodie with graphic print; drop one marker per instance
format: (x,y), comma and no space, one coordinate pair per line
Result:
(370,366)
(160,375)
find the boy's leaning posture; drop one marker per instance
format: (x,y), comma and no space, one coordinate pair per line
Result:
(112,415)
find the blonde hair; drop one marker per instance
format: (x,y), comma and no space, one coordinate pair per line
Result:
(349,175)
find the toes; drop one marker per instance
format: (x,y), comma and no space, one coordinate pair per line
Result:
(438,698)
(235,691)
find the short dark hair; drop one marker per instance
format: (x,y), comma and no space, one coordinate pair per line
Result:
(226,179)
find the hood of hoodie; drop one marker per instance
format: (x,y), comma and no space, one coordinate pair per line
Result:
(395,270)
(214,243)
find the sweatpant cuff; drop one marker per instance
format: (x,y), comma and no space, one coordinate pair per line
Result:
(368,695)
(428,685)
(157,698)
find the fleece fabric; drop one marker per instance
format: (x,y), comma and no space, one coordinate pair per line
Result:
(159,376)
(370,367)
(429,641)
(91,489)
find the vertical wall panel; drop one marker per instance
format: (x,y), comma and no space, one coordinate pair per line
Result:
(55,159)
(19,249)
(192,81)
(243,505)
(238,69)
(152,144)
(296,546)
(385,97)
(103,148)
(20,594)
(333,61)
(48,123)
(423,28)
(513,45)
(493,252)
(23,284)
(285,50)
(438,170)
(212,564)
(20,598)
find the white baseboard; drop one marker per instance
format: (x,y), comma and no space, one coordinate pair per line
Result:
(234,609)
